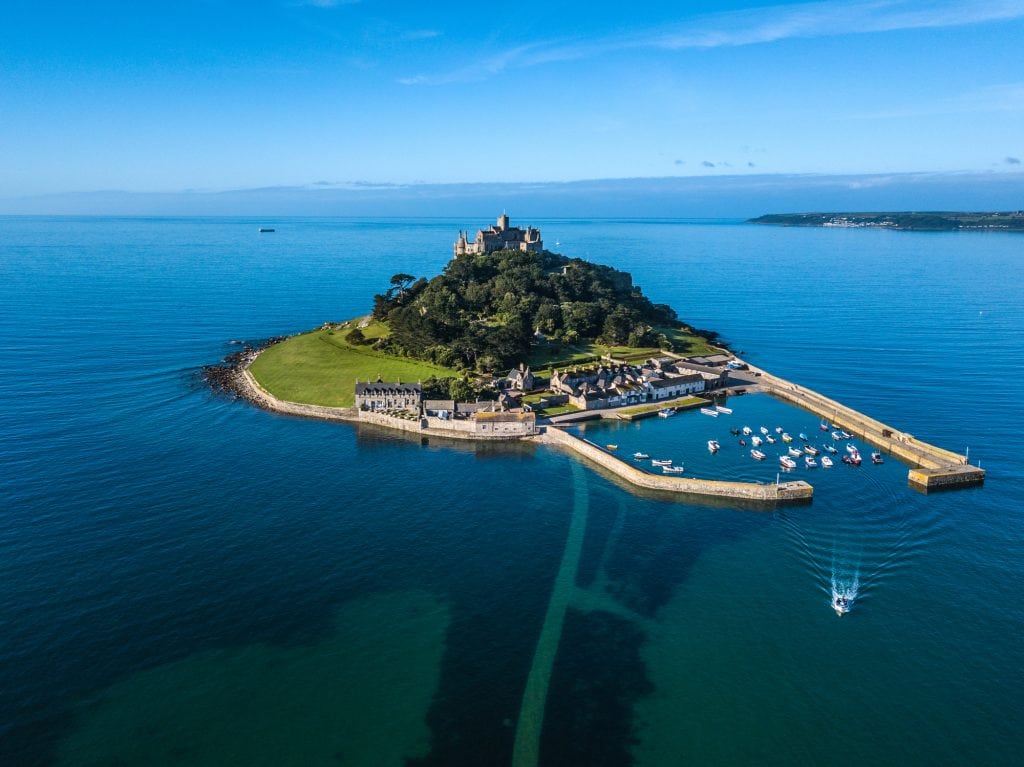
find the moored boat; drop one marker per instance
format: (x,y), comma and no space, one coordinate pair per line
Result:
(877,458)
(612,447)
(640,456)
(850,447)
(786,437)
(811,450)
(747,430)
(803,436)
(673,469)
(666,412)
(659,462)
(713,445)
(831,449)
(778,430)
(809,462)
(726,410)
(770,439)
(764,430)
(845,435)
(786,462)
(794,452)
(826,462)
(823,425)
(757,455)
(836,436)
(709,411)
(756,441)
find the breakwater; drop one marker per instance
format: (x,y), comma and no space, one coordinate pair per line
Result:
(930,466)
(746,491)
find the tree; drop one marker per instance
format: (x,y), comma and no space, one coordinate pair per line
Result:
(402,282)
(355,337)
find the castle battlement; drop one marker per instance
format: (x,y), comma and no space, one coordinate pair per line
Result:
(501,236)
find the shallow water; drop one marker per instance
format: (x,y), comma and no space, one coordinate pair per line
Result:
(183,577)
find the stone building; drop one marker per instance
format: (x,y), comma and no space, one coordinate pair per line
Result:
(384,395)
(499,237)
(504,424)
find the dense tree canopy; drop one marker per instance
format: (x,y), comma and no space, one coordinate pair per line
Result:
(482,311)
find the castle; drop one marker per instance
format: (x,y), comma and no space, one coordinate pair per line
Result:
(500,237)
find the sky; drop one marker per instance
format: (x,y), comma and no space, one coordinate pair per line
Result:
(211,95)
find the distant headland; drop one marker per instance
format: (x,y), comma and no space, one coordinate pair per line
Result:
(937,221)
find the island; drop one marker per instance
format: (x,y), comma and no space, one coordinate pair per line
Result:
(929,221)
(511,341)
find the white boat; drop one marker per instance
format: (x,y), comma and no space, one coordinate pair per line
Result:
(850,448)
(841,605)
(778,430)
(764,430)
(713,445)
(786,437)
(757,455)
(803,436)
(666,413)
(831,449)
(770,439)
(673,469)
(809,462)
(746,430)
(826,462)
(794,452)
(709,411)
(657,462)
(845,435)
(811,450)
(877,458)
(836,436)
(726,410)
(640,456)
(786,462)
(756,441)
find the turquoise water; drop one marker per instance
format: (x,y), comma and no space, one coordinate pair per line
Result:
(185,579)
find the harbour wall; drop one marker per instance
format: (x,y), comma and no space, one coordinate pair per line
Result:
(937,465)
(748,491)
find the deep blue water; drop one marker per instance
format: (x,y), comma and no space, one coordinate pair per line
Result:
(185,579)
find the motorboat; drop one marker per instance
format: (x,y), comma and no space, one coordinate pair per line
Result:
(726,410)
(640,456)
(850,447)
(658,462)
(809,462)
(265,229)
(673,469)
(778,430)
(709,411)
(770,439)
(757,455)
(811,450)
(803,436)
(786,437)
(877,458)
(831,449)
(837,436)
(845,435)
(826,462)
(713,445)
(786,462)
(612,447)
(853,458)
(756,441)
(823,425)
(746,430)
(794,452)
(841,605)
(764,430)
(666,412)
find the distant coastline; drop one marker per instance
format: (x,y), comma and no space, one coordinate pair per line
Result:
(929,221)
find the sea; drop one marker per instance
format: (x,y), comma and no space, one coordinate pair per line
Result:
(188,580)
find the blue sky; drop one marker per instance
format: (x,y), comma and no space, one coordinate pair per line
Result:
(215,95)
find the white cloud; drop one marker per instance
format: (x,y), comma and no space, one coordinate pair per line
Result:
(748,27)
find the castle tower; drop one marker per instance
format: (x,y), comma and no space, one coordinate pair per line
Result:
(503,222)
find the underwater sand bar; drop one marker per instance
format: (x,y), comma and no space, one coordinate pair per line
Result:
(749,491)
(929,464)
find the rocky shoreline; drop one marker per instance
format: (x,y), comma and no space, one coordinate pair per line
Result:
(227,376)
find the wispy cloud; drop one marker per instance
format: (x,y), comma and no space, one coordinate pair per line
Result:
(1012,161)
(327,3)
(748,27)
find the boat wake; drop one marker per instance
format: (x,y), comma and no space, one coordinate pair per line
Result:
(852,550)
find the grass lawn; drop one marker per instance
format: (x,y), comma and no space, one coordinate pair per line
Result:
(321,368)
(649,408)
(564,356)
